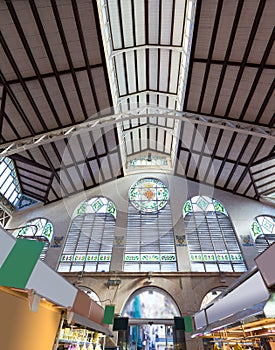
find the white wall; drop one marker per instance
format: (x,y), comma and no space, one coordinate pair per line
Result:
(241,210)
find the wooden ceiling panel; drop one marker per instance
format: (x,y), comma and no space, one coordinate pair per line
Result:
(101,89)
(16,118)
(233,178)
(42,104)
(196,86)
(181,162)
(225,92)
(242,92)
(228,15)
(245,27)
(90,31)
(222,177)
(212,85)
(214,167)
(57,101)
(86,94)
(258,100)
(199,139)
(116,165)
(206,24)
(73,107)
(264,32)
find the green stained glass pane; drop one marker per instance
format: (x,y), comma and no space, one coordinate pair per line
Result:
(168,257)
(48,231)
(256,229)
(131,257)
(105,257)
(219,207)
(222,257)
(23,231)
(82,208)
(202,203)
(67,257)
(187,208)
(236,257)
(150,257)
(111,209)
(92,257)
(97,204)
(79,257)
(209,257)
(196,257)
(268,224)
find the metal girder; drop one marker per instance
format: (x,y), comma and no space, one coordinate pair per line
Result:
(18,146)
(144,47)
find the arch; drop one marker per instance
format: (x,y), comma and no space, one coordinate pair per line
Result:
(38,229)
(262,229)
(150,242)
(95,205)
(89,243)
(211,239)
(211,295)
(92,294)
(150,303)
(203,203)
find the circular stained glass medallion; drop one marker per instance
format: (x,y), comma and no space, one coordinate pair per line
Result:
(149,195)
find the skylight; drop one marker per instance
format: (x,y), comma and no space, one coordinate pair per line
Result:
(138,86)
(10,189)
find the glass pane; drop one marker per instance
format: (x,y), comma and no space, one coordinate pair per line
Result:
(197,267)
(64,267)
(90,267)
(211,267)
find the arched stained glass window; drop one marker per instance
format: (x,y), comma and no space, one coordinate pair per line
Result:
(150,237)
(96,205)
(149,195)
(263,231)
(212,242)
(89,242)
(38,229)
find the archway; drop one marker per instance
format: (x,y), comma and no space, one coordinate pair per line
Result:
(151,313)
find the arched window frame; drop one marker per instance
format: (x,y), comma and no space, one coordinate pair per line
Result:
(262,230)
(37,229)
(86,249)
(144,220)
(206,222)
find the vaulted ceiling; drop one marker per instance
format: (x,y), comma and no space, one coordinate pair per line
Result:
(88,86)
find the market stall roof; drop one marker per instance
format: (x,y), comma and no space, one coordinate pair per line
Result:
(35,276)
(246,300)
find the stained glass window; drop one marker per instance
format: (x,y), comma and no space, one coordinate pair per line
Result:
(150,242)
(96,205)
(38,229)
(211,239)
(89,242)
(263,231)
(203,203)
(149,195)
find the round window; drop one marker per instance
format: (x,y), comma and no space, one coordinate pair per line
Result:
(149,195)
